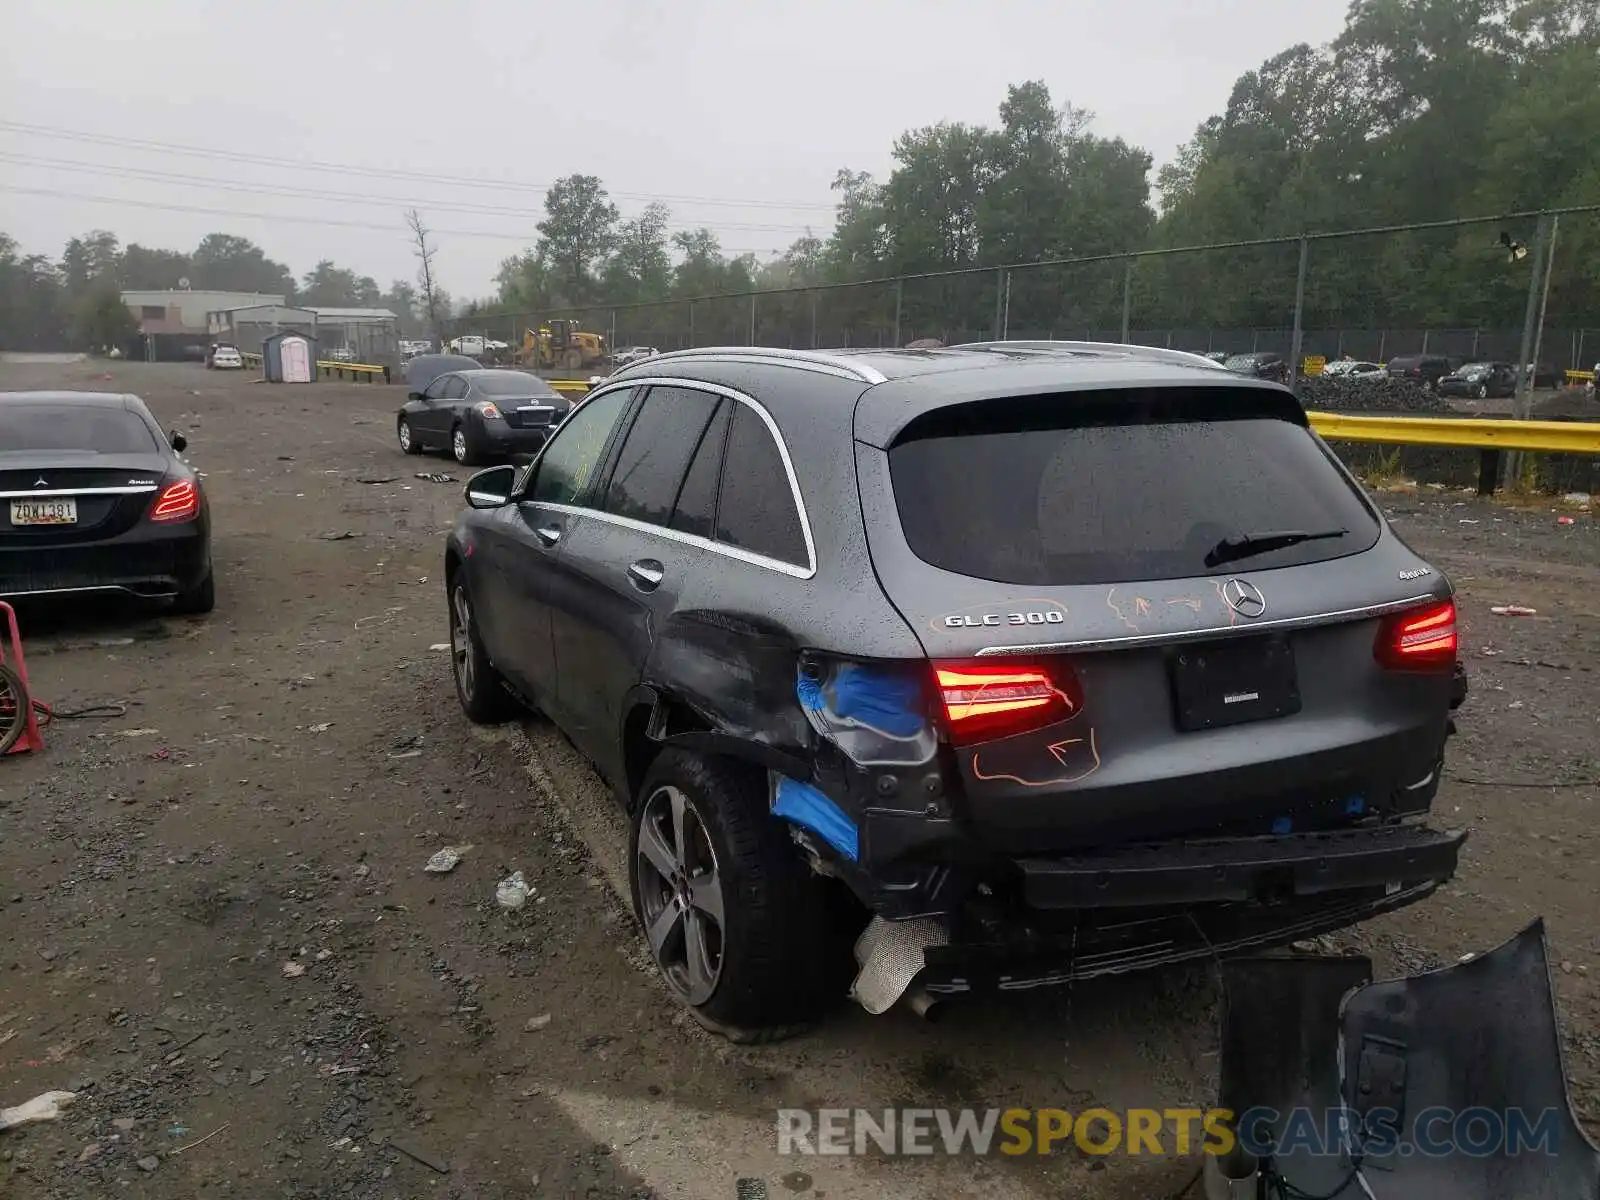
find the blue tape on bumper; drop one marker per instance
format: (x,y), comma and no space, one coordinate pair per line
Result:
(809,808)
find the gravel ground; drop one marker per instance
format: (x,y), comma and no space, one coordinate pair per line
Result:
(219,932)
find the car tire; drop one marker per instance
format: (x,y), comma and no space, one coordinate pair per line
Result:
(408,439)
(479,688)
(198,600)
(461,447)
(708,867)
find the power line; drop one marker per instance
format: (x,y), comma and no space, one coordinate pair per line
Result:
(149,174)
(300,220)
(373,172)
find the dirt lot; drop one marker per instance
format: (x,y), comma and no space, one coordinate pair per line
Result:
(218,930)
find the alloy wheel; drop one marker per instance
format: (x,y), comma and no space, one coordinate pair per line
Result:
(405,436)
(680,894)
(458,443)
(461,638)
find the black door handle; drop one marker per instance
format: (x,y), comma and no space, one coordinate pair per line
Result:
(646,574)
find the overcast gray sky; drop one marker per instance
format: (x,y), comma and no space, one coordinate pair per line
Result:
(737,114)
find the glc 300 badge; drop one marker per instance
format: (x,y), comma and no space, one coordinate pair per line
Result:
(1416,573)
(1050,616)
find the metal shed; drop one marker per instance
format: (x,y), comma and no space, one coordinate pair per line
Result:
(362,335)
(289,357)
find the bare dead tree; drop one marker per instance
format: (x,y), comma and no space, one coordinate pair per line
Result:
(425,250)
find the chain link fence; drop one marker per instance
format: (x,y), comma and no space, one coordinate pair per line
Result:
(1473,288)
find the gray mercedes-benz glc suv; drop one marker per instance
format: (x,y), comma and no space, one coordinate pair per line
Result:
(1061,659)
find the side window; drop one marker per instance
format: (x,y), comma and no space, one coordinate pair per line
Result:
(696,509)
(656,454)
(435,390)
(756,511)
(456,388)
(569,461)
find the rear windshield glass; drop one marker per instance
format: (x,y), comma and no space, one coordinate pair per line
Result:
(1079,490)
(33,427)
(512,383)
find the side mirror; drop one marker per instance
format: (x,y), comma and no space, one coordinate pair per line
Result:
(179,442)
(492,488)
(414,396)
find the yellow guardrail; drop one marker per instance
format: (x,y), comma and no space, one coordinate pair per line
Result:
(1474,433)
(250,359)
(569,385)
(354,370)
(1580,376)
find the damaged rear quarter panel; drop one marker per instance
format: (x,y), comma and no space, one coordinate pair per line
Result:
(744,637)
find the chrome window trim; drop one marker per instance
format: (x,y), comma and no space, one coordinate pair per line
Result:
(815,359)
(747,556)
(103,491)
(1191,635)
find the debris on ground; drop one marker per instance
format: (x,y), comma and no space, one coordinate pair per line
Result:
(45,1107)
(512,892)
(436,477)
(440,646)
(537,1023)
(321,727)
(1514,610)
(432,1161)
(335,536)
(377,479)
(446,860)
(293,970)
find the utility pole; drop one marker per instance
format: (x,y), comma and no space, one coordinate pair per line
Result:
(1127,299)
(1296,342)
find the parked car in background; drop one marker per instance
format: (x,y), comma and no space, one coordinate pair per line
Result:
(95,498)
(342,354)
(224,356)
(835,624)
(481,415)
(1261,364)
(1425,370)
(629,355)
(425,368)
(471,345)
(1351,368)
(1482,380)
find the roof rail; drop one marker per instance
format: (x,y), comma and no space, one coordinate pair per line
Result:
(1133,350)
(799,358)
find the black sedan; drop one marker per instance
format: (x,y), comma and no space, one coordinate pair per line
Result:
(481,415)
(94,498)
(1481,379)
(1259,365)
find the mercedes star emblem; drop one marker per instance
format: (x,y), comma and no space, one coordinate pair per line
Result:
(41,482)
(1244,598)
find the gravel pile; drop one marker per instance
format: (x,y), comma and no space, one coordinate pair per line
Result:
(1369,396)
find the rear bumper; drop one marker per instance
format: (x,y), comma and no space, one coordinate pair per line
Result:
(498,438)
(1266,870)
(1093,946)
(147,562)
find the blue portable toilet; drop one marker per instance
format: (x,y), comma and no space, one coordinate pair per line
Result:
(289,357)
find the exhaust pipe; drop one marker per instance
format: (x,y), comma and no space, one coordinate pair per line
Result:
(926,1006)
(891,955)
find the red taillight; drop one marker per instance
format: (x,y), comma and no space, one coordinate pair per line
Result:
(984,701)
(178,501)
(1419,639)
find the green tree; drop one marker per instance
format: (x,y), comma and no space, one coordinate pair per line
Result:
(701,271)
(102,321)
(90,260)
(329,286)
(234,264)
(639,268)
(578,231)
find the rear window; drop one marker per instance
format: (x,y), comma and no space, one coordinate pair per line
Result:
(1136,486)
(101,430)
(512,383)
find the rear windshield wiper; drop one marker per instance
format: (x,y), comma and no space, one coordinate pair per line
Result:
(1248,545)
